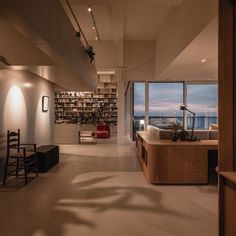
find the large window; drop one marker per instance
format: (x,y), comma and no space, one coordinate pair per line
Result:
(164,103)
(202,100)
(139,99)
(138,105)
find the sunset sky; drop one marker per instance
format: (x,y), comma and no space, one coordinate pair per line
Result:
(166,98)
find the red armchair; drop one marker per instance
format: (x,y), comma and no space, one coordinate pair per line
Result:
(103,131)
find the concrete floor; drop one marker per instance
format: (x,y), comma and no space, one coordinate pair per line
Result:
(99,190)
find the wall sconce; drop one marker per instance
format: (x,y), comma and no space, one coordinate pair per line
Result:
(45,103)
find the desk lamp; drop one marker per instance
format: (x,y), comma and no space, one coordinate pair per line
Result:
(184,108)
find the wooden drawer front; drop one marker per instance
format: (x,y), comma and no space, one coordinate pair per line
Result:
(187,166)
(158,165)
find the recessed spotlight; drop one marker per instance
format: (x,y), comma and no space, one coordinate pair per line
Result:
(203,60)
(93,27)
(89,9)
(96,38)
(27,85)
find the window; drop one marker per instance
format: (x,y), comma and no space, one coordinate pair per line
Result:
(138,105)
(202,100)
(139,99)
(164,103)
(165,99)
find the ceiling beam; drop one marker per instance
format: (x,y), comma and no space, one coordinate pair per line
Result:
(118,23)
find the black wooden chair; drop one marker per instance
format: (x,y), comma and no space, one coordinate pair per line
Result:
(20,156)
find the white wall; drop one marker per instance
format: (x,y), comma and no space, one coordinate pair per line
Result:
(133,60)
(106,55)
(21,107)
(139,60)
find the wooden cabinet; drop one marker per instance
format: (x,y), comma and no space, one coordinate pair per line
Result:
(227,204)
(168,162)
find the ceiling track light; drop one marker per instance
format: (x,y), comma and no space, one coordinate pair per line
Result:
(80,32)
(89,9)
(97,37)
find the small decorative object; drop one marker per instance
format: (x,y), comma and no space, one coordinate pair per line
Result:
(78,34)
(90,53)
(184,135)
(45,102)
(175,127)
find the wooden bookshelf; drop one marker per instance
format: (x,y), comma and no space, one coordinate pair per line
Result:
(70,106)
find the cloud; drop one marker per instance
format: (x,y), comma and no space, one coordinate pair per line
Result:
(166,98)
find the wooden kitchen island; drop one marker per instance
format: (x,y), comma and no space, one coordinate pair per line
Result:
(168,162)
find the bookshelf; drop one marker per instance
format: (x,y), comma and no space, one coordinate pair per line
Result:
(83,107)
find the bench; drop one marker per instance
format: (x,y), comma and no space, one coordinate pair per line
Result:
(48,156)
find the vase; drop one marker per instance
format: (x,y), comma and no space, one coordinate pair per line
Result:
(174,136)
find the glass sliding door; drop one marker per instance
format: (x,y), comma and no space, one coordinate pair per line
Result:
(202,99)
(164,103)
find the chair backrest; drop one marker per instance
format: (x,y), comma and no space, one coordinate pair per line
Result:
(3,146)
(13,140)
(101,127)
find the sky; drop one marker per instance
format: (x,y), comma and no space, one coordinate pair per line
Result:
(166,98)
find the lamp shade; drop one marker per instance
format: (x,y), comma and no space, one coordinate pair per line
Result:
(183,107)
(141,122)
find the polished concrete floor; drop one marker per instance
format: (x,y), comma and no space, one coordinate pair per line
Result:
(98,190)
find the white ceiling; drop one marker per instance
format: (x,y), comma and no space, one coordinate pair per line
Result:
(138,20)
(188,65)
(143,20)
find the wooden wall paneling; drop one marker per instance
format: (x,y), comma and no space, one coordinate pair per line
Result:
(225,71)
(234,93)
(227,117)
(227,214)
(188,164)
(157,164)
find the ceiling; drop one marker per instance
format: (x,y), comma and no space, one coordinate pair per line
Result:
(189,66)
(144,20)
(120,19)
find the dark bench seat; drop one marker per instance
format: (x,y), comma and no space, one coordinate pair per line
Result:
(48,156)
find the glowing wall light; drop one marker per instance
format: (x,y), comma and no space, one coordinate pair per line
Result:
(14,112)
